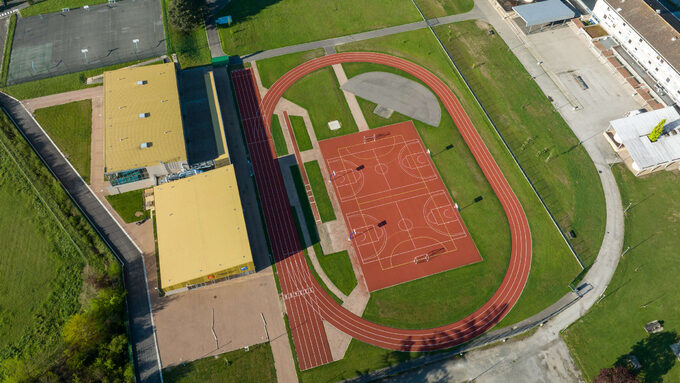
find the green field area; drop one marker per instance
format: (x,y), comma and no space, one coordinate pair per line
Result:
(191,47)
(59,84)
(644,287)
(300,133)
(240,366)
(338,268)
(441,8)
(7,50)
(70,127)
(277,136)
(318,184)
(49,6)
(266,24)
(545,146)
(129,205)
(272,69)
(58,279)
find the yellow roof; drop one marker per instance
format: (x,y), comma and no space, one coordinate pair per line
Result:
(200,226)
(141,105)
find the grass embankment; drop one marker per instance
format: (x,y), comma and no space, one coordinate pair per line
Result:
(545,146)
(266,24)
(129,205)
(441,8)
(300,133)
(253,366)
(49,6)
(338,268)
(7,50)
(191,47)
(318,184)
(644,287)
(70,127)
(58,276)
(277,136)
(60,84)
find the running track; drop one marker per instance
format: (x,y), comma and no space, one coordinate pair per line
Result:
(306,302)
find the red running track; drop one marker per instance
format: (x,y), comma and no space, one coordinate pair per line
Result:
(306,302)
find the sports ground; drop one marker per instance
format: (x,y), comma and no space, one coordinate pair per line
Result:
(403,223)
(306,302)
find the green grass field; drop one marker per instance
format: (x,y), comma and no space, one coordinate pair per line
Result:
(272,69)
(7,50)
(191,47)
(544,144)
(129,205)
(277,136)
(300,133)
(266,24)
(318,184)
(240,366)
(338,268)
(643,289)
(441,8)
(70,127)
(49,6)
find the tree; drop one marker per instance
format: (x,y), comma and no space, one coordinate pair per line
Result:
(657,131)
(186,15)
(616,374)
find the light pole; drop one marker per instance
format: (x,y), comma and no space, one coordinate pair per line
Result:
(136,42)
(85,53)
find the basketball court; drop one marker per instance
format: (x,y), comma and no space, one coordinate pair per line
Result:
(402,221)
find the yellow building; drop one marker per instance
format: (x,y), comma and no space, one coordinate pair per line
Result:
(144,137)
(201,231)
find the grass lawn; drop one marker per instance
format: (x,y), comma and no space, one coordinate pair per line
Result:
(277,136)
(338,268)
(644,287)
(545,145)
(49,6)
(129,203)
(318,184)
(255,365)
(59,84)
(191,47)
(300,133)
(7,50)
(70,127)
(272,69)
(266,24)
(441,8)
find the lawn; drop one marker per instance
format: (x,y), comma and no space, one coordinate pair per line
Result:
(546,147)
(318,184)
(191,47)
(266,24)
(441,8)
(59,84)
(272,69)
(49,6)
(300,133)
(70,127)
(644,287)
(277,136)
(129,205)
(7,50)
(255,365)
(338,268)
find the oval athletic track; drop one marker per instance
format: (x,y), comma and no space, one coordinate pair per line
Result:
(306,301)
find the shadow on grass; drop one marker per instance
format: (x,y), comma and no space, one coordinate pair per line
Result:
(239,11)
(654,355)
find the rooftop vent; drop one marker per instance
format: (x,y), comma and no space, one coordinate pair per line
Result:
(144,115)
(658,11)
(673,38)
(142,82)
(618,9)
(145,145)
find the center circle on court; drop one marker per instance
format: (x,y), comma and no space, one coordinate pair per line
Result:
(381,168)
(405,224)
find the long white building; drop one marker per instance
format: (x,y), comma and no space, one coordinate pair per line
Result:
(647,31)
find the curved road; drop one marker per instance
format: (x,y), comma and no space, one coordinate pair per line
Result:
(296,281)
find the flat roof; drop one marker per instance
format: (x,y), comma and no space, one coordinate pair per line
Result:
(141,105)
(658,29)
(632,133)
(200,226)
(544,12)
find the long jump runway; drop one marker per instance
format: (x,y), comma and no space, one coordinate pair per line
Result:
(306,302)
(403,222)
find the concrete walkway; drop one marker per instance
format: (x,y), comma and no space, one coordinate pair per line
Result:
(63,98)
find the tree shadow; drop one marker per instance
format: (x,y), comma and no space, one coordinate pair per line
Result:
(655,356)
(239,11)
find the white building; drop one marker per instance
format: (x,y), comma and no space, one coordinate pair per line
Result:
(648,33)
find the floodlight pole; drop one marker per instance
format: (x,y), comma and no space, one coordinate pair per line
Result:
(85,53)
(136,42)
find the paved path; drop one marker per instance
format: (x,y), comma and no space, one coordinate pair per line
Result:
(144,350)
(63,98)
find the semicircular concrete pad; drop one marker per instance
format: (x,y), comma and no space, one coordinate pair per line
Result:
(398,93)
